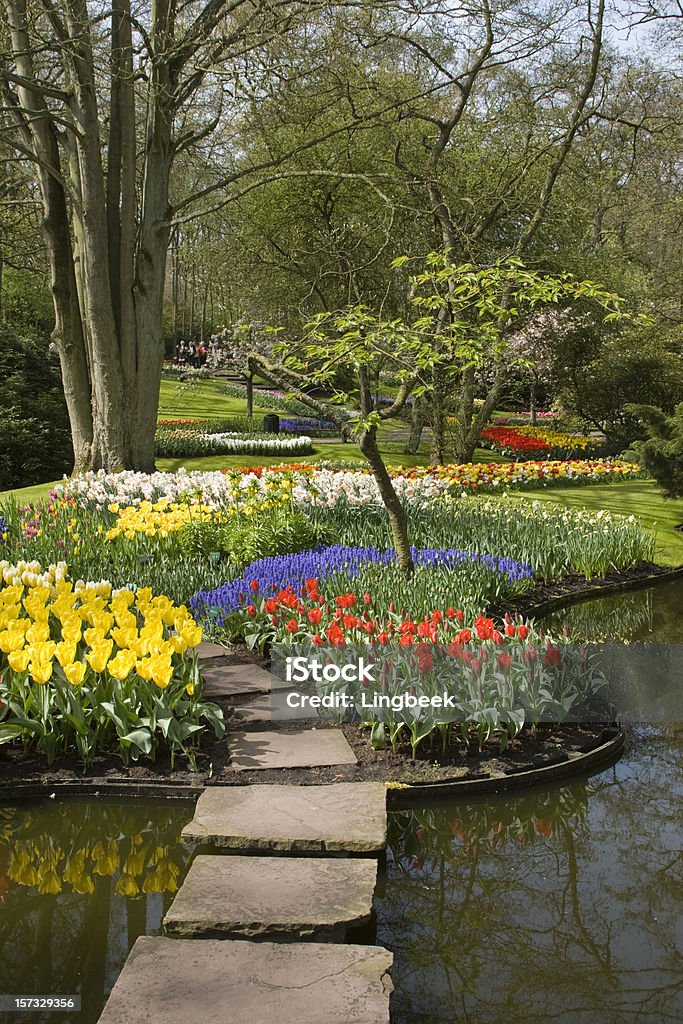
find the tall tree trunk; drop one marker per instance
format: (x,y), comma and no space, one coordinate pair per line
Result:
(154,233)
(109,444)
(39,137)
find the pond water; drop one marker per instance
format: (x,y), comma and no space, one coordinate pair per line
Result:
(555,906)
(559,905)
(79,882)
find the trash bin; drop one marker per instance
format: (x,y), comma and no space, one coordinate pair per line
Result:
(271,423)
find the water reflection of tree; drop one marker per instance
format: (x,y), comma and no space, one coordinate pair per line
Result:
(81,881)
(530,910)
(654,614)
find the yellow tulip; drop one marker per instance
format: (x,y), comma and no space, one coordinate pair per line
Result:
(143,596)
(18,660)
(65,653)
(11,640)
(126,620)
(153,629)
(63,607)
(178,644)
(103,621)
(162,671)
(144,668)
(37,611)
(38,633)
(122,665)
(192,635)
(40,671)
(93,636)
(75,673)
(43,651)
(12,595)
(127,886)
(99,655)
(124,637)
(71,636)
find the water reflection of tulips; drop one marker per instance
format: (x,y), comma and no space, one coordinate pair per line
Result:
(461,831)
(147,861)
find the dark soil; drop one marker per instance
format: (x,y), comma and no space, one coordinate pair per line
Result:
(549,745)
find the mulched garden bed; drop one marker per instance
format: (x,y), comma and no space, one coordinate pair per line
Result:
(547,747)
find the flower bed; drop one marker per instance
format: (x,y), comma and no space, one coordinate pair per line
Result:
(268,399)
(87,669)
(414,484)
(310,427)
(466,576)
(190,532)
(488,477)
(191,443)
(435,675)
(523,419)
(526,442)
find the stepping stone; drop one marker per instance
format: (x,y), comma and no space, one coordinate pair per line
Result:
(305,748)
(350,817)
(273,708)
(237,680)
(207,651)
(173,981)
(276,898)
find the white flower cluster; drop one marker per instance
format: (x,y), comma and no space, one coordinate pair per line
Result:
(31,573)
(238,444)
(322,487)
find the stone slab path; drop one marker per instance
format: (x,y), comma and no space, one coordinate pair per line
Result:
(207,651)
(173,981)
(275,898)
(221,680)
(272,707)
(349,817)
(305,748)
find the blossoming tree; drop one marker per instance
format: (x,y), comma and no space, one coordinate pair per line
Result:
(465,318)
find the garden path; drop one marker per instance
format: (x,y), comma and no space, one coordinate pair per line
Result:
(288,898)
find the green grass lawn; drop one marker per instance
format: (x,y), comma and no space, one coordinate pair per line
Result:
(205,401)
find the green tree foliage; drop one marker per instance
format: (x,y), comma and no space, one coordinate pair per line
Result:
(662,453)
(597,373)
(35,441)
